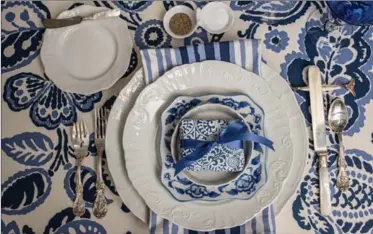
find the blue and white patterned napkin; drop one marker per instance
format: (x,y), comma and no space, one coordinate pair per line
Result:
(220,157)
(245,53)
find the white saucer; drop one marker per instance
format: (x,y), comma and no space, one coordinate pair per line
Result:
(87,57)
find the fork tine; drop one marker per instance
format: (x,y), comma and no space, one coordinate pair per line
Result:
(74,131)
(85,129)
(106,120)
(80,131)
(95,123)
(102,122)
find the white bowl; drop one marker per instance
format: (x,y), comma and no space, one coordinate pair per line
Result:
(179,9)
(215,17)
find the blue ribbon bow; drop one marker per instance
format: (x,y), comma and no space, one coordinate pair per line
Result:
(233,136)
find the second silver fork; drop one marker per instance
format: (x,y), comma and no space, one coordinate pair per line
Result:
(100,204)
(80,140)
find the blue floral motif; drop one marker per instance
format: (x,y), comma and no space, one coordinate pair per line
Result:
(200,36)
(181,109)
(49,106)
(352,211)
(191,4)
(245,183)
(196,191)
(29,148)
(132,6)
(169,163)
(10,228)
(108,179)
(89,180)
(340,60)
(63,151)
(124,208)
(276,40)
(76,226)
(272,12)
(25,191)
(63,218)
(21,40)
(133,64)
(151,34)
(167,176)
(230,102)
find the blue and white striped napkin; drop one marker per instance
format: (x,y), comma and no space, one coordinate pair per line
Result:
(263,223)
(245,53)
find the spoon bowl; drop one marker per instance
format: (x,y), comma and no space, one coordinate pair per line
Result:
(338,116)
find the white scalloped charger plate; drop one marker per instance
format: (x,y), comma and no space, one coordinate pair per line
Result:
(115,153)
(142,125)
(87,57)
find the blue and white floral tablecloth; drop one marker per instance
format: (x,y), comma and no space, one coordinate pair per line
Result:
(37,160)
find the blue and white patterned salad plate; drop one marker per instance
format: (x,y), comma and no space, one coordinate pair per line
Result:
(281,111)
(212,186)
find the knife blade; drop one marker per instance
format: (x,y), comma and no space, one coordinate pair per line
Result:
(59,23)
(319,136)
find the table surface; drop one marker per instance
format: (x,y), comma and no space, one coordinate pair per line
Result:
(37,164)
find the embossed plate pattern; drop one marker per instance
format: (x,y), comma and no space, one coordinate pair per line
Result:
(87,57)
(124,103)
(210,76)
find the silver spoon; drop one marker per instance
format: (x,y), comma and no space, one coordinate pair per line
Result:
(338,118)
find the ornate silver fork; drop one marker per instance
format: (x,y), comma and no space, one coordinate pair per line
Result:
(80,140)
(100,204)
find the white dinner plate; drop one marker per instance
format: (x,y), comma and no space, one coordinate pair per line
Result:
(115,153)
(142,129)
(87,57)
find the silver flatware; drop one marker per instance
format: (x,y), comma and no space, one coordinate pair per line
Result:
(350,86)
(338,118)
(100,204)
(59,23)
(319,136)
(80,141)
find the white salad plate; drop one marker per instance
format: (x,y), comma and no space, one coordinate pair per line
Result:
(123,105)
(218,185)
(142,129)
(87,57)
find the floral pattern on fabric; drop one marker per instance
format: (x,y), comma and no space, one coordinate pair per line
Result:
(38,157)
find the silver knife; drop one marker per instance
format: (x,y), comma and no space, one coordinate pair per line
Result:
(59,23)
(319,136)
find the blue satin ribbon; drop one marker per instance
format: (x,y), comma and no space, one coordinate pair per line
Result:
(233,136)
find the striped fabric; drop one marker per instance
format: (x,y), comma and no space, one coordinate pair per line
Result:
(245,53)
(264,223)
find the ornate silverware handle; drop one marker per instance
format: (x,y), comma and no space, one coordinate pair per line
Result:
(342,180)
(100,204)
(79,204)
(325,202)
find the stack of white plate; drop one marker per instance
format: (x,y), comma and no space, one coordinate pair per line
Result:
(135,158)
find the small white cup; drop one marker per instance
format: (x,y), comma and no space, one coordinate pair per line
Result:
(179,9)
(215,17)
